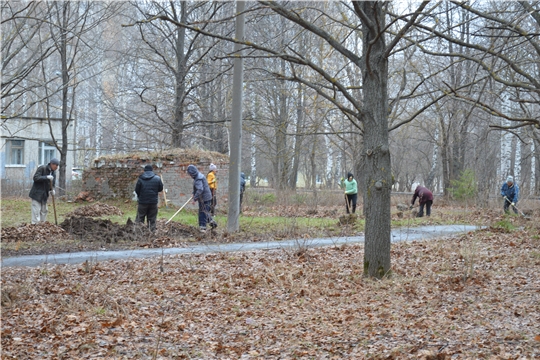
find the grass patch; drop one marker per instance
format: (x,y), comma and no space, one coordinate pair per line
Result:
(505,225)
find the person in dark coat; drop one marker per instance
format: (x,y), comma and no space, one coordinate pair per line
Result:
(425,198)
(202,195)
(510,193)
(149,185)
(43,186)
(242,188)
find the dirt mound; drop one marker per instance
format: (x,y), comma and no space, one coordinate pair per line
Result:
(104,230)
(96,210)
(89,229)
(41,232)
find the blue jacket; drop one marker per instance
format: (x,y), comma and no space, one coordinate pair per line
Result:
(147,188)
(201,190)
(511,192)
(242,182)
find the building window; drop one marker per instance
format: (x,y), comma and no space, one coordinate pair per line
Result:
(46,152)
(15,151)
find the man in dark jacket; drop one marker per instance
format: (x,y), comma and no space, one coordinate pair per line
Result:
(202,195)
(242,188)
(44,182)
(425,197)
(510,193)
(149,185)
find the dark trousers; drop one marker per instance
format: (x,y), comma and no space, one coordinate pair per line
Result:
(204,213)
(214,203)
(241,198)
(428,208)
(351,202)
(507,205)
(148,211)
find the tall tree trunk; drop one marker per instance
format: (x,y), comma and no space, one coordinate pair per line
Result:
(298,138)
(376,153)
(65,88)
(180,76)
(536,166)
(281,135)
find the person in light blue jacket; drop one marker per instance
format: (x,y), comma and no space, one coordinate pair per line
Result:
(510,193)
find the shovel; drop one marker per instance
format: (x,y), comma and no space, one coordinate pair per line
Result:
(176,213)
(347,202)
(520,212)
(164,193)
(54,206)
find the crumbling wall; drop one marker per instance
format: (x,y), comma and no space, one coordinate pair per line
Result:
(116,176)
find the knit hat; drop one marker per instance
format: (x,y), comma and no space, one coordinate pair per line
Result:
(510,179)
(212,167)
(349,175)
(148,168)
(54,161)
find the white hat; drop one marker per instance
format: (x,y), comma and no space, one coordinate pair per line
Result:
(213,167)
(510,179)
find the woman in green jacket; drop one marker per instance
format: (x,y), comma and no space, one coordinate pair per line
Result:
(351,192)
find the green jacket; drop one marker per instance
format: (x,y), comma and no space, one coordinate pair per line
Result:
(351,187)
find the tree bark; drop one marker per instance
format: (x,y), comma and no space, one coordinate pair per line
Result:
(376,154)
(180,75)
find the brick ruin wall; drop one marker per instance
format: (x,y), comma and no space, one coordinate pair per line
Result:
(117,179)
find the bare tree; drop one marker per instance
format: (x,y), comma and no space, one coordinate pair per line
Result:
(175,81)
(71,25)
(25,46)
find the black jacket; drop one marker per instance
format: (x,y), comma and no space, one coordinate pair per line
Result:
(42,185)
(147,188)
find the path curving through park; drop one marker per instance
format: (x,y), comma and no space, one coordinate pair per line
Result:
(399,234)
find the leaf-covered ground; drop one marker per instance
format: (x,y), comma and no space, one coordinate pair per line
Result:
(474,296)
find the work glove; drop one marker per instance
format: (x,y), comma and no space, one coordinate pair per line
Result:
(50,177)
(52,192)
(513,204)
(410,207)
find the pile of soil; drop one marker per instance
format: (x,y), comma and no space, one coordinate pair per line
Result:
(103,230)
(96,210)
(42,232)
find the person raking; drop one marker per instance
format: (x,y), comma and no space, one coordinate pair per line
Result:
(43,186)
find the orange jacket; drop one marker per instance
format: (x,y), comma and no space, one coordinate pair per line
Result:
(212,180)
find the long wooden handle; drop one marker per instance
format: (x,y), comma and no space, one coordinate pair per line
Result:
(164,192)
(176,213)
(54,206)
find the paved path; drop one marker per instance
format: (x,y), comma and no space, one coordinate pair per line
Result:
(400,234)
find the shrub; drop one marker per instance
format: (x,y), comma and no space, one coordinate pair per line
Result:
(464,187)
